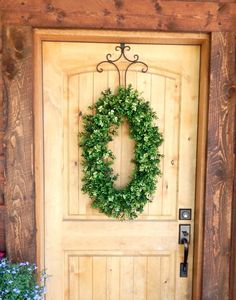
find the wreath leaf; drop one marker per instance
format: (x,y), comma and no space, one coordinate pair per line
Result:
(99,129)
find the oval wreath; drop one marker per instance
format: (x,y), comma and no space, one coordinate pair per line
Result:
(99,129)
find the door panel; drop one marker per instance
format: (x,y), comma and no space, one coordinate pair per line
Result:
(114,275)
(156,89)
(89,255)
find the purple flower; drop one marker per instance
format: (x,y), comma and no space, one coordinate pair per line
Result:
(20,279)
(24,264)
(17,291)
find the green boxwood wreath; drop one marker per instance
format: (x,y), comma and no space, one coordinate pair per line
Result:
(99,129)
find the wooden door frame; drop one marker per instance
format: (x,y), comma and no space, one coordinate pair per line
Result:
(42,35)
(18,19)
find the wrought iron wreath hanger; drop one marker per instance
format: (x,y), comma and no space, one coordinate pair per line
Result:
(122,48)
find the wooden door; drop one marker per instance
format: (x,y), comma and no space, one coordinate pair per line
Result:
(88,255)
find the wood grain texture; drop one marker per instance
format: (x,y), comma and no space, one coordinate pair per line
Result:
(2,228)
(2,157)
(19,190)
(219,168)
(198,16)
(200,172)
(233,249)
(2,122)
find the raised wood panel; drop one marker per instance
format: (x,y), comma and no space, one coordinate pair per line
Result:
(121,276)
(186,16)
(163,92)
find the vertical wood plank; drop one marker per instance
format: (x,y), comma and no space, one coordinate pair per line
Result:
(73,278)
(2,228)
(115,145)
(71,150)
(126,278)
(233,249)
(200,170)
(53,100)
(113,278)
(2,156)
(99,278)
(158,105)
(100,84)
(132,78)
(166,291)
(219,168)
(2,148)
(144,85)
(233,234)
(86,278)
(86,94)
(153,278)
(140,280)
(171,148)
(19,191)
(113,81)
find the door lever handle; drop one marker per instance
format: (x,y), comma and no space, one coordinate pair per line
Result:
(184,239)
(185,263)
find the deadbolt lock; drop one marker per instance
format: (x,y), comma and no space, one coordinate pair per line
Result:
(185,214)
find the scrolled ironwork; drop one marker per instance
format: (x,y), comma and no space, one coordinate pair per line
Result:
(122,48)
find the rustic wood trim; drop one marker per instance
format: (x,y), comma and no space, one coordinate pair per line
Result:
(87,35)
(39,155)
(184,16)
(19,190)
(2,125)
(201,169)
(233,249)
(219,168)
(2,227)
(2,158)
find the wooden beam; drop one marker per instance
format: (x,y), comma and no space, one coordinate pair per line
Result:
(233,249)
(2,157)
(219,169)
(188,16)
(19,191)
(2,228)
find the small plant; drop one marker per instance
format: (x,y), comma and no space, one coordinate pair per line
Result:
(18,281)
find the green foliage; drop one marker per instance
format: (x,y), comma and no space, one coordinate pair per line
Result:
(18,281)
(99,129)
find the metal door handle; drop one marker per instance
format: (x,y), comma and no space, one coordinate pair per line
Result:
(186,250)
(184,239)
